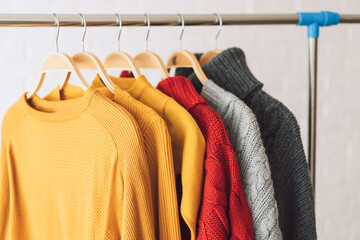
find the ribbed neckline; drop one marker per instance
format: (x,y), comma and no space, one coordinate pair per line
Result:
(57,111)
(230,71)
(135,87)
(180,86)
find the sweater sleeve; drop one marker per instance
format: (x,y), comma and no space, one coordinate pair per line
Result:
(244,134)
(213,220)
(4,189)
(10,122)
(297,214)
(137,215)
(135,203)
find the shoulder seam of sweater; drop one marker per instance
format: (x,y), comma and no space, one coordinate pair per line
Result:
(265,95)
(286,121)
(126,114)
(166,103)
(16,126)
(107,131)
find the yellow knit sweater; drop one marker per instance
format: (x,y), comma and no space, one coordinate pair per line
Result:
(73,169)
(188,143)
(158,151)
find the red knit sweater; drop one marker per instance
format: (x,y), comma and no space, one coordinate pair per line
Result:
(224,213)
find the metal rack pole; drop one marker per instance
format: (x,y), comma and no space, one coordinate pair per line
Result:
(313,46)
(108,20)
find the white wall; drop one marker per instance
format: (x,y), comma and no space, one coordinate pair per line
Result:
(277,55)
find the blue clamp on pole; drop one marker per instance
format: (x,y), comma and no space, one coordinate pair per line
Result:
(313,20)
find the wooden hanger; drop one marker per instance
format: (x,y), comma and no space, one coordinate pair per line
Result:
(150,60)
(55,62)
(89,61)
(185,59)
(119,59)
(206,57)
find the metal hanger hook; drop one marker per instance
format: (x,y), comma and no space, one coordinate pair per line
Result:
(220,27)
(182,29)
(83,19)
(147,19)
(57,31)
(119,20)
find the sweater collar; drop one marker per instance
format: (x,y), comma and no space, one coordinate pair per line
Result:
(58,111)
(230,71)
(71,92)
(135,87)
(182,91)
(141,90)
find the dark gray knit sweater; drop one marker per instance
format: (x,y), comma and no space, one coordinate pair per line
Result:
(281,137)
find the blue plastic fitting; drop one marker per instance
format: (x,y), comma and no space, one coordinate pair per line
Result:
(313,20)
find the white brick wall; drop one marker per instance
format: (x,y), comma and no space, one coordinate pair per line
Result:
(277,56)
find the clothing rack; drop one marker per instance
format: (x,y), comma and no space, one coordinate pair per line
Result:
(311,20)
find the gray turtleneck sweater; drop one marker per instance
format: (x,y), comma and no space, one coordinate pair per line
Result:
(244,135)
(280,134)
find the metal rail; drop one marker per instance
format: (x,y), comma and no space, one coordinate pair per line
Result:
(313,49)
(108,20)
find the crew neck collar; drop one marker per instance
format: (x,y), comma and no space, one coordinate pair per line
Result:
(134,86)
(57,111)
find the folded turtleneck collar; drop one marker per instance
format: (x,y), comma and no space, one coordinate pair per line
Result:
(230,71)
(182,91)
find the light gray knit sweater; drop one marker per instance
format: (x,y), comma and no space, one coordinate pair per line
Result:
(244,134)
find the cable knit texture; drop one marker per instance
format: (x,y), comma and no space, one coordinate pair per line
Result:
(244,135)
(281,137)
(224,213)
(73,169)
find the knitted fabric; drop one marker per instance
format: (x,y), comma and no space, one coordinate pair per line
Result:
(224,213)
(73,169)
(188,146)
(244,135)
(157,144)
(281,137)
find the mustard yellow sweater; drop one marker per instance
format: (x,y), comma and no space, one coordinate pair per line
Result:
(188,143)
(158,152)
(73,169)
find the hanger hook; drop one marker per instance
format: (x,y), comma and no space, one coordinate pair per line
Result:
(182,29)
(83,19)
(119,20)
(147,19)
(57,31)
(219,18)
